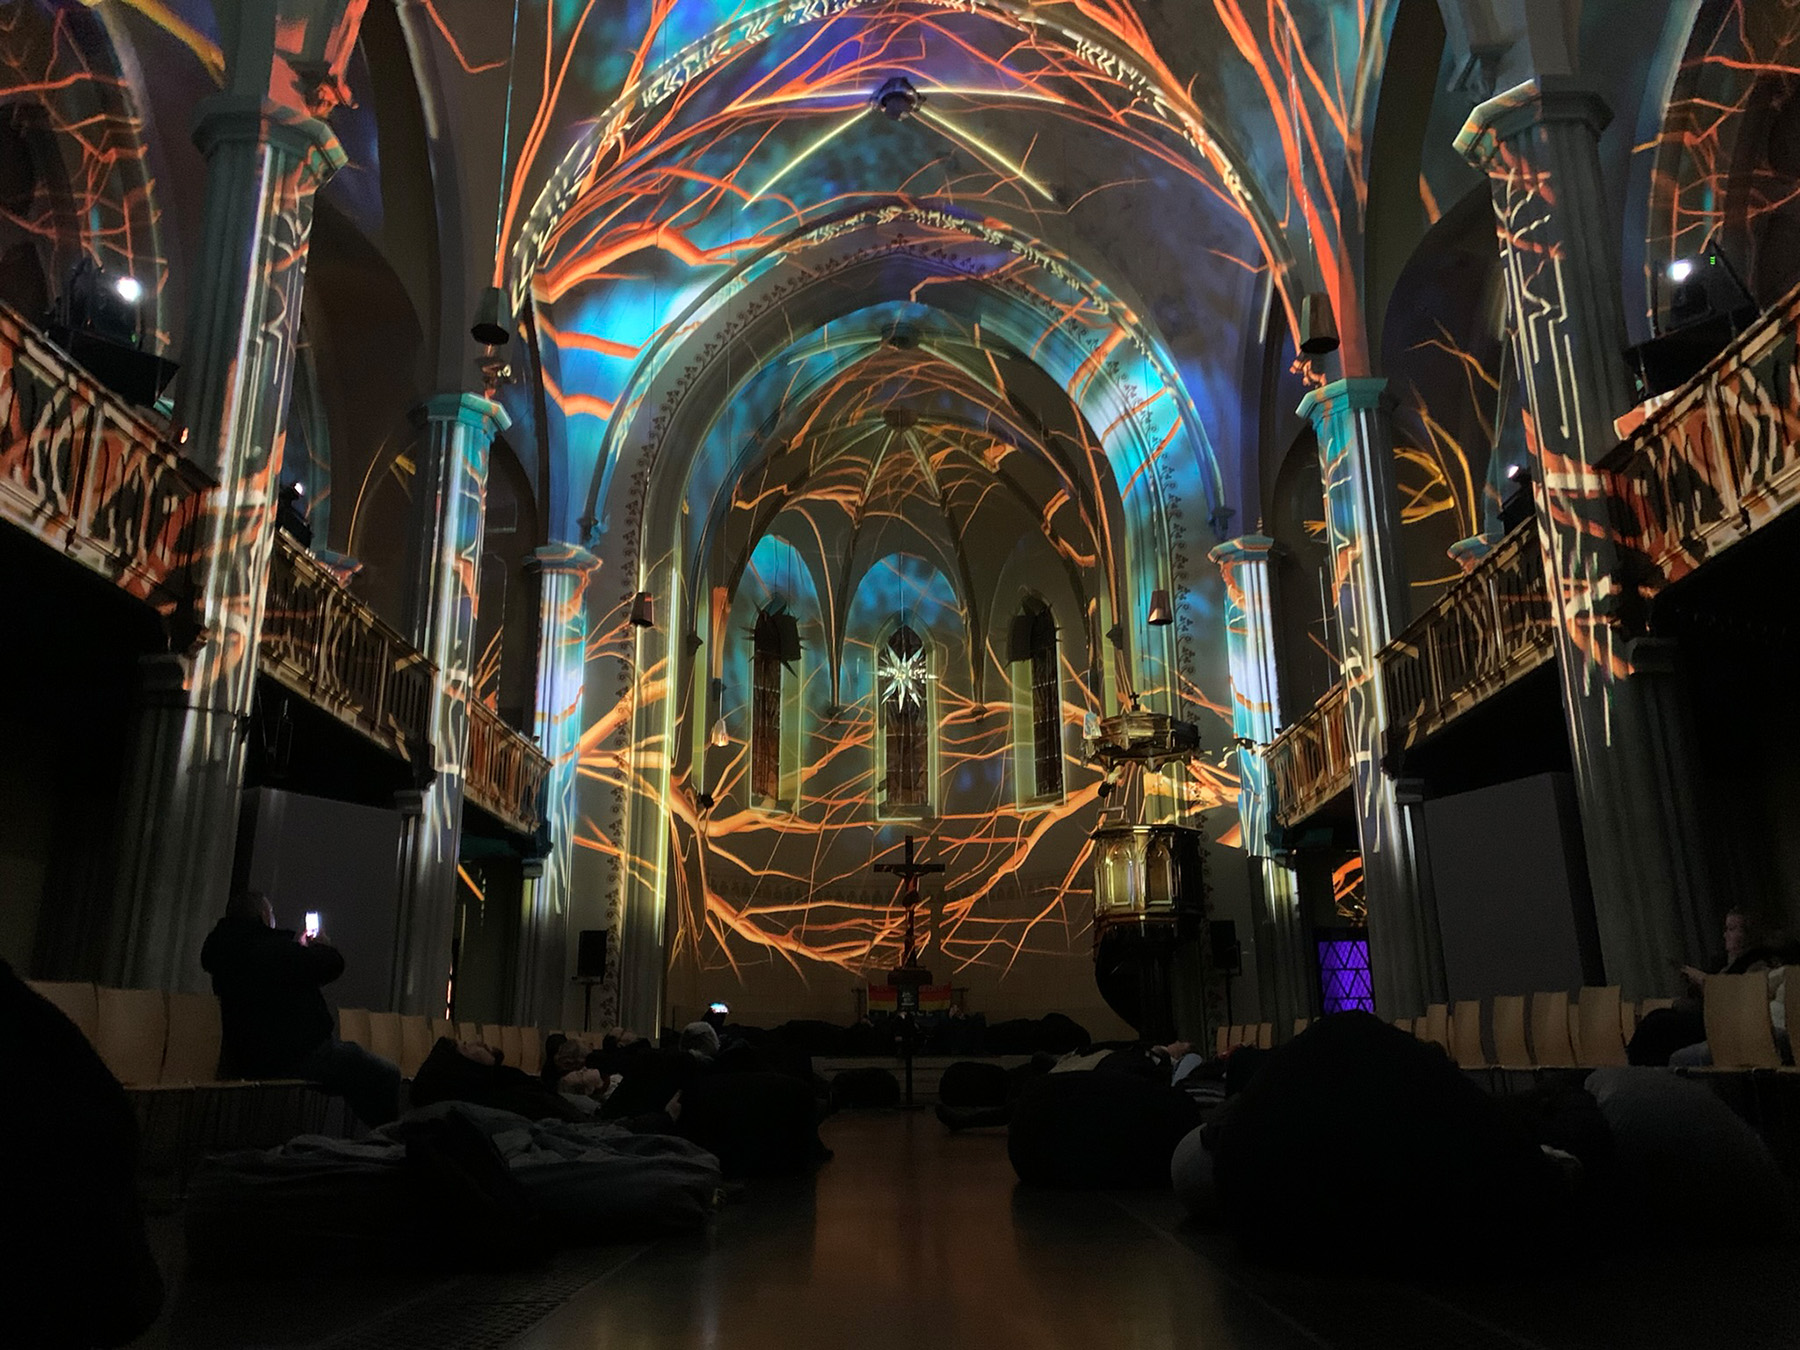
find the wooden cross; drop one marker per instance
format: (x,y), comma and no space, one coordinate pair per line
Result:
(909,871)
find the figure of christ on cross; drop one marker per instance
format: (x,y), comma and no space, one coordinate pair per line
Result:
(909,872)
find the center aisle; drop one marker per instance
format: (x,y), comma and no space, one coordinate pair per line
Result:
(914,1237)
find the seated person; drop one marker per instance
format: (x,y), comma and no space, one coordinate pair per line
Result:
(78,1271)
(276,1022)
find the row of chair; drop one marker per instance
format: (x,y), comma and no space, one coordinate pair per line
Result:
(407,1040)
(146,1037)
(1260,1034)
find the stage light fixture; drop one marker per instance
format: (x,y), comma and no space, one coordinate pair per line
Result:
(643,610)
(130,289)
(898,98)
(1161,615)
(1681,269)
(489,328)
(1318,325)
(721,734)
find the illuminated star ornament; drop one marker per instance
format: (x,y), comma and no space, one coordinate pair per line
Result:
(905,676)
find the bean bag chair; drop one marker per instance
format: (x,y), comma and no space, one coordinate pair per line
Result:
(448,1075)
(755,1124)
(870,1087)
(1191,1174)
(1355,1117)
(1687,1168)
(973,1084)
(1097,1131)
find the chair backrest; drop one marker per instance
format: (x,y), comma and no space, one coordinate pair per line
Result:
(79,1002)
(1739,1030)
(1465,1035)
(1550,1045)
(133,1029)
(1301,1024)
(1434,1026)
(531,1050)
(468,1033)
(1600,1038)
(1627,1019)
(385,1037)
(1265,1035)
(191,1052)
(353,1026)
(1221,1039)
(415,1043)
(442,1027)
(1509,1031)
(512,1045)
(1240,1034)
(1405,1024)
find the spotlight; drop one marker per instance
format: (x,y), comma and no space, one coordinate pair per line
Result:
(705,801)
(290,514)
(489,328)
(1680,270)
(1105,789)
(96,321)
(130,289)
(1318,325)
(897,98)
(721,734)
(643,610)
(1519,473)
(1160,613)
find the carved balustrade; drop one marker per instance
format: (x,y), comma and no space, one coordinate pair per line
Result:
(330,648)
(506,771)
(1719,458)
(1485,631)
(1309,762)
(89,474)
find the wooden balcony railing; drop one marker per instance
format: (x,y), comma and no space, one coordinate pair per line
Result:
(1309,762)
(506,771)
(1720,458)
(330,648)
(89,474)
(1486,630)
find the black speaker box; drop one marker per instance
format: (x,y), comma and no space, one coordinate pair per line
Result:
(590,954)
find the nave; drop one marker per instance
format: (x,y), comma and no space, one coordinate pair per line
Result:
(916,1237)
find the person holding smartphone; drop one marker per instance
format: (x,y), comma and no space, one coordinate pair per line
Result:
(276,1022)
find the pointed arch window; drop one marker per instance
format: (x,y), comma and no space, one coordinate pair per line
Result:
(905,675)
(1046,705)
(775,643)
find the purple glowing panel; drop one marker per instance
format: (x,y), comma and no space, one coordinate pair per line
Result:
(1344,975)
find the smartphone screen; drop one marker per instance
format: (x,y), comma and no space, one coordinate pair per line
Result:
(312,923)
(717,1008)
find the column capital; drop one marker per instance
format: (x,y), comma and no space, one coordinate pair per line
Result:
(472,410)
(558,559)
(1246,548)
(242,119)
(1548,98)
(1364,393)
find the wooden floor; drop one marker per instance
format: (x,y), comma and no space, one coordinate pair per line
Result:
(916,1238)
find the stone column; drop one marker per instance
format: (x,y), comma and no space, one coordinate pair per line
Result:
(1281,935)
(1629,732)
(264,163)
(1354,421)
(563,572)
(449,498)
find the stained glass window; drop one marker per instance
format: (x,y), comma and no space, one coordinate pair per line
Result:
(904,681)
(1344,973)
(765,711)
(1046,707)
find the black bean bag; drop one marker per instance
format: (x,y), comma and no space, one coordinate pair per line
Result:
(448,1075)
(973,1084)
(1357,1124)
(755,1124)
(870,1087)
(1097,1131)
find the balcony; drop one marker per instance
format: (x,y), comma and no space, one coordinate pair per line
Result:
(330,648)
(506,771)
(90,475)
(1488,629)
(1309,762)
(1721,457)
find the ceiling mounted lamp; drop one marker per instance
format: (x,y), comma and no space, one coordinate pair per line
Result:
(1160,613)
(898,99)
(489,328)
(643,610)
(1318,325)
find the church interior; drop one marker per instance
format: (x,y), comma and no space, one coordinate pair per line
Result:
(900,672)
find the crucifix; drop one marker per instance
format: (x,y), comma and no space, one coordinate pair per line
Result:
(909,977)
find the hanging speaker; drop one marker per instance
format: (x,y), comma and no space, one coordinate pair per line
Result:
(1318,325)
(590,954)
(489,328)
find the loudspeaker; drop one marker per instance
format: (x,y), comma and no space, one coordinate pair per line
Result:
(590,954)
(1228,957)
